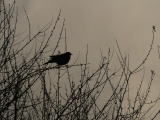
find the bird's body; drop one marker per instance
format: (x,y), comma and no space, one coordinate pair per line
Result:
(61,59)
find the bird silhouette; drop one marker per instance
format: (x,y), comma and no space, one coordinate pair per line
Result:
(61,59)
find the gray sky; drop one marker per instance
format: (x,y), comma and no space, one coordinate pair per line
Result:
(98,23)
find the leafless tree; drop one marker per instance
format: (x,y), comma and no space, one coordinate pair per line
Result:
(27,90)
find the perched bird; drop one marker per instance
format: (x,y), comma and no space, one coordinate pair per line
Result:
(61,59)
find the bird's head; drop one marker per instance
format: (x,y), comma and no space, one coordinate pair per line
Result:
(68,53)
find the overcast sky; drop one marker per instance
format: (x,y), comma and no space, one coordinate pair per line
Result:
(99,22)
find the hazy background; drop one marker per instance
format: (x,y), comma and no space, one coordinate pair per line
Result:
(98,23)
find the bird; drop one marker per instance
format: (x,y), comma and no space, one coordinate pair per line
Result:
(61,59)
